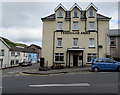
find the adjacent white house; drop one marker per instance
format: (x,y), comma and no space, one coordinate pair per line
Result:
(11,56)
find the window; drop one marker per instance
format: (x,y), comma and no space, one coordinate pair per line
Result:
(2,52)
(75,14)
(91,25)
(24,54)
(18,53)
(12,53)
(60,13)
(59,57)
(75,25)
(75,42)
(91,57)
(113,41)
(59,26)
(91,12)
(91,42)
(59,42)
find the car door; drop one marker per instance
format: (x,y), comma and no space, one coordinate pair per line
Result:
(101,64)
(110,64)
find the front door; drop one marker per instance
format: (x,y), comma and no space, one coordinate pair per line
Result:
(75,60)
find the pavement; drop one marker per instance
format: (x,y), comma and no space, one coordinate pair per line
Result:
(57,71)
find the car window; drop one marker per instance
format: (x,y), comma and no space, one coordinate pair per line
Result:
(109,61)
(99,60)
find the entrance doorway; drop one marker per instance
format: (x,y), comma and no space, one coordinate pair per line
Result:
(75,60)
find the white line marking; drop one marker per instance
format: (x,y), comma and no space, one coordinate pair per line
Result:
(49,85)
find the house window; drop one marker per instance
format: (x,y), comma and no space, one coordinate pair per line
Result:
(60,14)
(59,42)
(59,26)
(24,54)
(91,25)
(12,53)
(2,52)
(59,57)
(12,62)
(91,57)
(75,25)
(91,42)
(75,42)
(112,41)
(75,14)
(18,53)
(91,12)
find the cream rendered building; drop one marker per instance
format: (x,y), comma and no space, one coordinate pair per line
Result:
(75,37)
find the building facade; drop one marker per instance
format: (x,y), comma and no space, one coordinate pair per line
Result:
(11,56)
(114,35)
(75,37)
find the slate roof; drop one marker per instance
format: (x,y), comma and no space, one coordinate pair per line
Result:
(19,49)
(68,16)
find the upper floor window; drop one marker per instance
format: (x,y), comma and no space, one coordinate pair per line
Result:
(91,12)
(91,25)
(91,42)
(59,42)
(60,24)
(18,53)
(2,52)
(12,53)
(75,42)
(75,13)
(113,41)
(60,13)
(75,25)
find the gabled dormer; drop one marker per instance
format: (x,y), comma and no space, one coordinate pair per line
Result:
(60,11)
(75,11)
(91,11)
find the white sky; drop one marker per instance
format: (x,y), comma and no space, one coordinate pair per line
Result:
(21,21)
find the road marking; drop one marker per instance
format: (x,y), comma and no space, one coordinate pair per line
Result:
(61,85)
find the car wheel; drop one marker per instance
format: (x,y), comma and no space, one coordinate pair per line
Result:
(96,69)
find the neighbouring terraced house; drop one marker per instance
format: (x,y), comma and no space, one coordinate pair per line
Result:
(11,56)
(75,37)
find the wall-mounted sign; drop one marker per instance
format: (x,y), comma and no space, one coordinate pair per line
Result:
(75,32)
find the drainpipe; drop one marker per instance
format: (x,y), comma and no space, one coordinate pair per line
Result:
(97,40)
(53,48)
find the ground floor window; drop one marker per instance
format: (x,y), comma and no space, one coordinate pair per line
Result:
(59,57)
(91,57)
(12,62)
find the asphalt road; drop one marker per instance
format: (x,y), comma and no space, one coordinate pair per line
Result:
(77,82)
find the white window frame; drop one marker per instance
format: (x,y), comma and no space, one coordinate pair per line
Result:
(59,55)
(12,53)
(2,52)
(60,13)
(113,39)
(75,13)
(91,42)
(92,56)
(91,25)
(75,25)
(59,42)
(91,12)
(75,42)
(60,26)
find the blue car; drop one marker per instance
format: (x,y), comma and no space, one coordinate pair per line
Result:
(105,64)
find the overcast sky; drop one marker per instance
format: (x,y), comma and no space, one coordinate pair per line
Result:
(21,22)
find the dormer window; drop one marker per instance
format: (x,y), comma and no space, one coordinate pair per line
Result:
(60,13)
(75,14)
(91,12)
